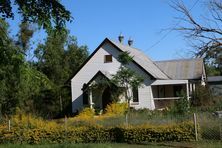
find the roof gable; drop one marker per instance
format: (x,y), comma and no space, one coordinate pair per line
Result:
(143,61)
(139,58)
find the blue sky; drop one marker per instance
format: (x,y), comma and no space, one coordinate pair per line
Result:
(142,20)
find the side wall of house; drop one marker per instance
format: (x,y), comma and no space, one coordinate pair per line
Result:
(95,64)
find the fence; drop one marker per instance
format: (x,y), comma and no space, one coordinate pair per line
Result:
(208,124)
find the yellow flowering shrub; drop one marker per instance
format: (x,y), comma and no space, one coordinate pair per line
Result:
(95,134)
(29,121)
(114,109)
(86,113)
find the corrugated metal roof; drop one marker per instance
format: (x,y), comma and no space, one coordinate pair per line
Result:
(214,79)
(182,69)
(140,58)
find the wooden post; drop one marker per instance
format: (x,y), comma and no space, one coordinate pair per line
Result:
(220,129)
(195,126)
(90,98)
(9,125)
(65,123)
(60,101)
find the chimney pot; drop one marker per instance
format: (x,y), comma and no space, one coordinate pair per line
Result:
(130,42)
(121,37)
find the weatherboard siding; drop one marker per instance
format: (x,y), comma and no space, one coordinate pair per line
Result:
(95,64)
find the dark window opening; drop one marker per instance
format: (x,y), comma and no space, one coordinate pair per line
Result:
(177,90)
(135,94)
(108,58)
(85,97)
(161,91)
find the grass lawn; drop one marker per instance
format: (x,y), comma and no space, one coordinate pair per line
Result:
(206,144)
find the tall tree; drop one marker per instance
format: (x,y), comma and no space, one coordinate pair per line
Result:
(58,58)
(10,60)
(205,32)
(46,13)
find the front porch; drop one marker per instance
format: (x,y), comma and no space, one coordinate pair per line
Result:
(165,92)
(99,91)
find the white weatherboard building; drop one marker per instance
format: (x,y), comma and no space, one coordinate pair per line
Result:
(162,80)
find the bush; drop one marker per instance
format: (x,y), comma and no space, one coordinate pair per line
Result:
(86,113)
(95,134)
(202,97)
(114,109)
(181,105)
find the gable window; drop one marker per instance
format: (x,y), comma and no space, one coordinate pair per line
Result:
(108,59)
(135,94)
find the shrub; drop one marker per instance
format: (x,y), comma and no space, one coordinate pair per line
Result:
(181,105)
(95,134)
(202,97)
(86,113)
(114,109)
(30,121)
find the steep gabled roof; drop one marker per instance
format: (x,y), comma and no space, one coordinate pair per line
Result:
(183,69)
(139,58)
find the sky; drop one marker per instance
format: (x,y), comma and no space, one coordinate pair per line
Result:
(147,22)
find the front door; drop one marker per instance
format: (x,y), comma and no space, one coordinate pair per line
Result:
(106,97)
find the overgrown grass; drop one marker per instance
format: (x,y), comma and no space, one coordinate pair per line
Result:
(135,117)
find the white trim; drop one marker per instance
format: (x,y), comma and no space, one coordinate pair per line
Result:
(169,82)
(187,87)
(169,98)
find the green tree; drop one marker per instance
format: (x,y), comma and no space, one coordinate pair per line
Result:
(182,105)
(58,59)
(46,13)
(127,78)
(11,59)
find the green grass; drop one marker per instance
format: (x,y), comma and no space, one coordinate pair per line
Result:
(202,144)
(104,145)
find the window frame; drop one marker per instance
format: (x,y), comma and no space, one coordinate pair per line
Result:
(135,95)
(108,58)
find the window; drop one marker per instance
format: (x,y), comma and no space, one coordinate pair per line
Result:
(177,90)
(108,59)
(135,94)
(85,98)
(161,91)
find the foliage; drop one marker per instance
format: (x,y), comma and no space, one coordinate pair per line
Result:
(125,58)
(125,77)
(38,86)
(11,60)
(116,109)
(211,70)
(58,59)
(46,13)
(28,121)
(86,113)
(204,33)
(202,96)
(95,134)
(181,105)
(25,34)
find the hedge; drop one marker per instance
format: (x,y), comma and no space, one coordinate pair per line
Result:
(93,134)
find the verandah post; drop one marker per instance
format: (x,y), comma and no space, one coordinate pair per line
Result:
(195,125)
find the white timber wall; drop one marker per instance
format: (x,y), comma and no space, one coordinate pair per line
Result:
(95,64)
